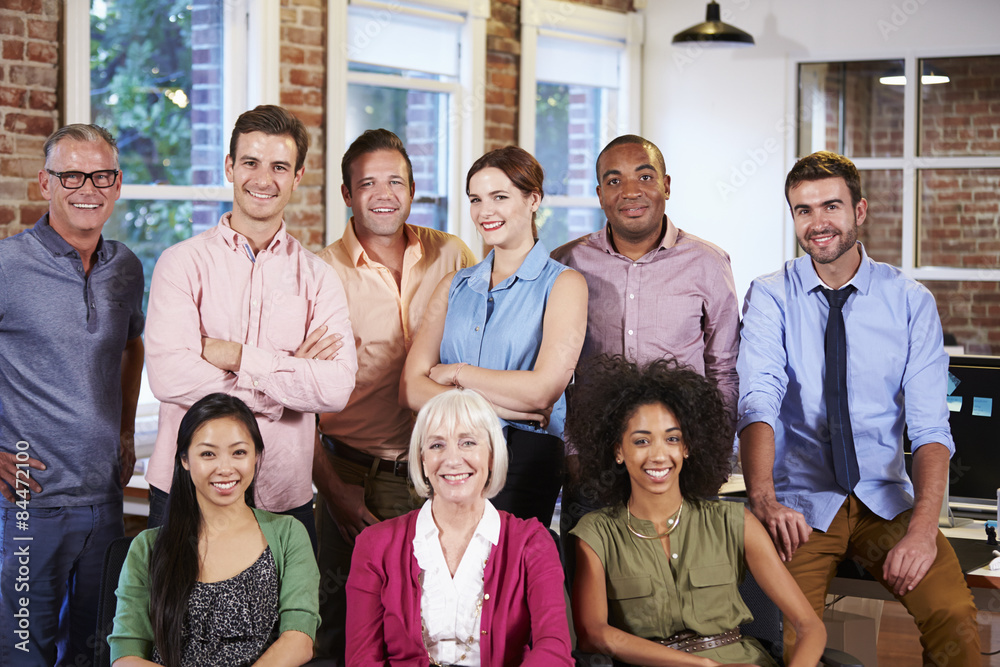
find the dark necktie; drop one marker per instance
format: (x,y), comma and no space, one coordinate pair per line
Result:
(845,458)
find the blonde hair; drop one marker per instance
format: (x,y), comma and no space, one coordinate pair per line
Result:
(455,409)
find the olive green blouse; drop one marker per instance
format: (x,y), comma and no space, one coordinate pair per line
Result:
(654,596)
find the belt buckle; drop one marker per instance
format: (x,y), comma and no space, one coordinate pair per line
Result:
(396,466)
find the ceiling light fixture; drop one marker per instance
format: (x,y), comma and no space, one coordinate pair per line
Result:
(713,32)
(929,77)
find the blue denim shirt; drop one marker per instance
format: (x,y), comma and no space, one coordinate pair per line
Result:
(896,374)
(502,328)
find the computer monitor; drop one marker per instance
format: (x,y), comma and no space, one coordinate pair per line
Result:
(974,410)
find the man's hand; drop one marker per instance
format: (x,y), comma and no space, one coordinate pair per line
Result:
(317,347)
(127,457)
(909,560)
(348,509)
(222,354)
(18,479)
(788,528)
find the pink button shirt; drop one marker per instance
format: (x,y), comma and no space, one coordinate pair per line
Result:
(211,285)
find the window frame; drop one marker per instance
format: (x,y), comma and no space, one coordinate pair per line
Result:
(578,23)
(466,112)
(910,164)
(250,79)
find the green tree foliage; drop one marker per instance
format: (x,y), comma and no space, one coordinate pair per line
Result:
(140,57)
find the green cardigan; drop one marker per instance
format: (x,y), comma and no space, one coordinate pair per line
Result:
(298,597)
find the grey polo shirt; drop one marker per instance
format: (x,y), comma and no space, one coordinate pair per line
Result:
(62,334)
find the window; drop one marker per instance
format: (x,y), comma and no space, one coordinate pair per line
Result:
(928,148)
(415,68)
(579,85)
(168,79)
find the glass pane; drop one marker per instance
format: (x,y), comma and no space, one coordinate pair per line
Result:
(846,108)
(419,118)
(156,84)
(960,115)
(148,227)
(882,231)
(571,125)
(559,225)
(968,313)
(959,218)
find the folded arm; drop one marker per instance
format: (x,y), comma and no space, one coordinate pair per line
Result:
(524,394)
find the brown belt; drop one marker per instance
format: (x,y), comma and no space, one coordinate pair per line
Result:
(344,451)
(690,641)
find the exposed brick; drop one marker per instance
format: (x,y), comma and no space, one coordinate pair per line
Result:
(42,76)
(44,100)
(8,214)
(302,36)
(13,49)
(11,25)
(292,55)
(301,77)
(27,6)
(25,124)
(44,30)
(12,97)
(32,212)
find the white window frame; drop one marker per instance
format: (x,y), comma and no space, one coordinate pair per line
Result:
(910,163)
(466,113)
(587,25)
(250,76)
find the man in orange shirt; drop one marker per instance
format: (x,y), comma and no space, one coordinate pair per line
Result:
(389,270)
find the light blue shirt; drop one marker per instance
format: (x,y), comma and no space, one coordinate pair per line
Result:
(502,328)
(896,374)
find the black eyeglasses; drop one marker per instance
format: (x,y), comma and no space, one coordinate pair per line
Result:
(74,180)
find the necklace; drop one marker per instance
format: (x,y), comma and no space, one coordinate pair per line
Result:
(472,640)
(672,522)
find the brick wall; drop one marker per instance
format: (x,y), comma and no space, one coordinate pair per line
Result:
(303,88)
(29,79)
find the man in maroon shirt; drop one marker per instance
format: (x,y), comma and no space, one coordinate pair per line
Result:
(655,290)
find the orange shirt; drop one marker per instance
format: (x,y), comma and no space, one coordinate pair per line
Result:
(385,320)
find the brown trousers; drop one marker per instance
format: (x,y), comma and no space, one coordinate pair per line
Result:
(941,604)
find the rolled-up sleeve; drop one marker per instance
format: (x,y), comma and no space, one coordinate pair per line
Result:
(762,360)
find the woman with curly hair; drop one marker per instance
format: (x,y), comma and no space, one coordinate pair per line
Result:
(657,571)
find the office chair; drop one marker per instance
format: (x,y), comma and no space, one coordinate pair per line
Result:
(767,626)
(114,559)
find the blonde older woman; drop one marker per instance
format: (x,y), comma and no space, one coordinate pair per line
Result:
(457,582)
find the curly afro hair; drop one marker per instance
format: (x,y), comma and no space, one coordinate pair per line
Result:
(612,390)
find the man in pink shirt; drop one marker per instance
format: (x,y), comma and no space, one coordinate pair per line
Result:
(244,309)
(655,290)
(389,269)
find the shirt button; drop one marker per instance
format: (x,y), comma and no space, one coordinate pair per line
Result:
(673,556)
(477,328)
(629,332)
(93,305)
(254,302)
(255,383)
(635,263)
(486,597)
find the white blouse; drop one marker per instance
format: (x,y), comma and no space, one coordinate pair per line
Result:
(451,607)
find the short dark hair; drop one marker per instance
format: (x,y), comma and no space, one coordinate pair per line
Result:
(275,121)
(611,389)
(633,139)
(821,165)
(80,132)
(369,142)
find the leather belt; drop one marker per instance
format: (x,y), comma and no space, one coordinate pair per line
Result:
(690,641)
(344,451)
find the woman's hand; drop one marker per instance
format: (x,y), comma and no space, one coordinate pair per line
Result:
(446,374)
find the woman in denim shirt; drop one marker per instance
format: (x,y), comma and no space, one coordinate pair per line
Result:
(510,327)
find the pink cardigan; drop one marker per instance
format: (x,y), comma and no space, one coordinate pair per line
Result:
(523,622)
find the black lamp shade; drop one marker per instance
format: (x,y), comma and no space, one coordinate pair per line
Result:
(713,32)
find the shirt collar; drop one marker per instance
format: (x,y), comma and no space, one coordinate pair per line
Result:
(357,252)
(530,269)
(861,280)
(239,243)
(488,527)
(602,238)
(60,247)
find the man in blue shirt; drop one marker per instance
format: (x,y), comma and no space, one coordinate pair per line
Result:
(70,364)
(831,487)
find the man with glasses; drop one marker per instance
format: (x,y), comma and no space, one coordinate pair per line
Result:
(70,363)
